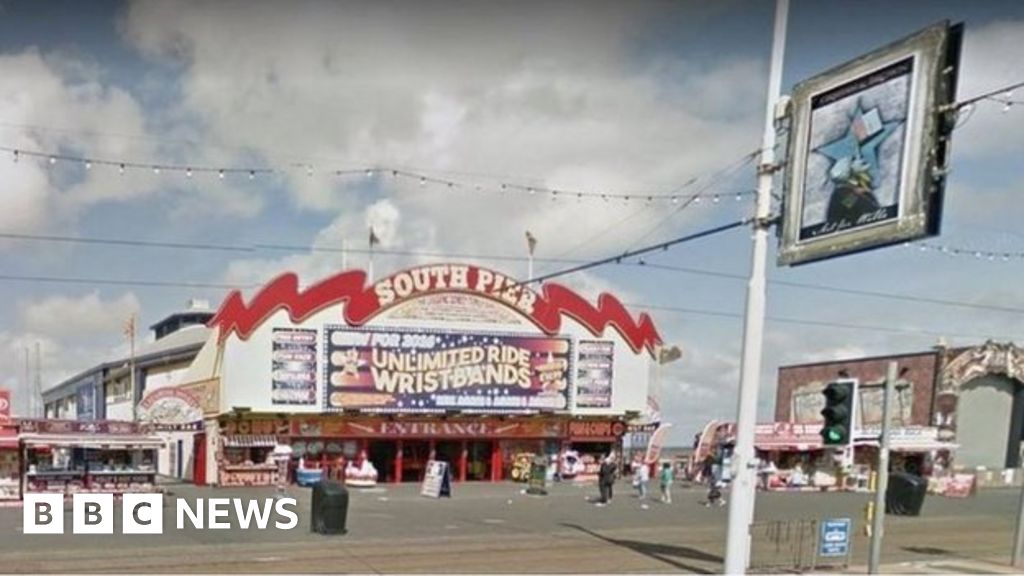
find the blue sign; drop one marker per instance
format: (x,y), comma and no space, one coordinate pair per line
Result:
(834,539)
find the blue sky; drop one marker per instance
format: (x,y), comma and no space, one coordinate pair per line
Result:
(613,97)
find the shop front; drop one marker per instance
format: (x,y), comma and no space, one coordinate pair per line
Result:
(477,448)
(68,457)
(796,458)
(246,454)
(589,442)
(10,455)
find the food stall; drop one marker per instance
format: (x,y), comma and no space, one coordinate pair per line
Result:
(246,453)
(67,457)
(249,461)
(10,455)
(10,464)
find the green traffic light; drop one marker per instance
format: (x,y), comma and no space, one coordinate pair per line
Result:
(834,435)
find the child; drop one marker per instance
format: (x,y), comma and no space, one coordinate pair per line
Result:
(643,475)
(666,482)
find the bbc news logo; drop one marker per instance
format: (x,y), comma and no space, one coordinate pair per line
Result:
(144,514)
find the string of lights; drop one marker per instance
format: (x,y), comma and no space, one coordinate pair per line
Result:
(917,299)
(965,109)
(989,255)
(821,323)
(1002,95)
(483,257)
(139,283)
(189,170)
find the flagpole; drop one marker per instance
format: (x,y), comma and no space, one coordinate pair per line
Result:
(531,245)
(369,267)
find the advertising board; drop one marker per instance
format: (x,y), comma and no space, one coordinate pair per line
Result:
(403,370)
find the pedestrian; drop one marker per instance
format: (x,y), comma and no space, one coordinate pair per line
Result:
(634,473)
(707,472)
(643,474)
(665,479)
(715,495)
(606,479)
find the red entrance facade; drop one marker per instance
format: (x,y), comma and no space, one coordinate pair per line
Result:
(480,448)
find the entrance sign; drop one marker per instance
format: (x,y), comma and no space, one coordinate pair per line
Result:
(834,539)
(868,147)
(438,480)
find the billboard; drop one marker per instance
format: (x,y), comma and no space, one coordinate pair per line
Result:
(293,358)
(85,400)
(594,374)
(409,370)
(867,149)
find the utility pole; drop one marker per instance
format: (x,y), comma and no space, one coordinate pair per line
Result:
(28,385)
(37,387)
(744,482)
(131,366)
(882,485)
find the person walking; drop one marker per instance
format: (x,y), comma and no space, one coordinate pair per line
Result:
(665,479)
(606,479)
(643,475)
(634,473)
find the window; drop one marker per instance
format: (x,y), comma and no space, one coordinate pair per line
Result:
(118,391)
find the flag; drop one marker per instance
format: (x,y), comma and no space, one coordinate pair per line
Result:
(374,240)
(654,445)
(531,242)
(666,355)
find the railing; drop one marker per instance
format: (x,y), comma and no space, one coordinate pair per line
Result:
(789,546)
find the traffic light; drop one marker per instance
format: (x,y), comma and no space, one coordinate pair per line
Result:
(838,413)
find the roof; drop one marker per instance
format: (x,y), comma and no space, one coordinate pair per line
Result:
(186,341)
(858,360)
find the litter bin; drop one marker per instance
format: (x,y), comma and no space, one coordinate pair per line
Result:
(330,508)
(905,494)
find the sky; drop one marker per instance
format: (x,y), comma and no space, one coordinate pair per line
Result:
(639,98)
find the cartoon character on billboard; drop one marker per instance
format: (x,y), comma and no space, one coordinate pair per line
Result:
(855,167)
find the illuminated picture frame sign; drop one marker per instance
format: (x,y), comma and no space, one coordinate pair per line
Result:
(868,148)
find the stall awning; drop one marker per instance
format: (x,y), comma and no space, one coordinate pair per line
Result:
(250,441)
(788,447)
(924,446)
(94,441)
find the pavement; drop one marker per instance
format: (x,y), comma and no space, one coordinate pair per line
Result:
(497,528)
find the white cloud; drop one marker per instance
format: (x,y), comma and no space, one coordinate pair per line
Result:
(52,104)
(537,94)
(68,316)
(991,59)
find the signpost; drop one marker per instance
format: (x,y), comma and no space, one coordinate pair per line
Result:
(437,482)
(834,539)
